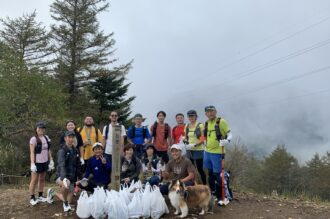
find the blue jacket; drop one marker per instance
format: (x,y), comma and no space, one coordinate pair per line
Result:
(100,171)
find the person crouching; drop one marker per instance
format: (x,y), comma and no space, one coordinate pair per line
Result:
(68,165)
(99,166)
(130,165)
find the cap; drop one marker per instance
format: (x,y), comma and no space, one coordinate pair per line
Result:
(176,146)
(69,133)
(192,113)
(97,144)
(138,115)
(210,108)
(41,125)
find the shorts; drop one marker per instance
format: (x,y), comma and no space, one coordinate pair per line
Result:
(213,161)
(42,167)
(195,155)
(71,187)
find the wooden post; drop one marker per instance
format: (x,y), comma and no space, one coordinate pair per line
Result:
(116,153)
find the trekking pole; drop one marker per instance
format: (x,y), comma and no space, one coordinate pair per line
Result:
(223,175)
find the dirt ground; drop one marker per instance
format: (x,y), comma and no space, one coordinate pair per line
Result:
(14,203)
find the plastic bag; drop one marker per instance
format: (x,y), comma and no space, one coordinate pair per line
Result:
(116,206)
(124,194)
(98,203)
(145,200)
(158,204)
(83,209)
(135,207)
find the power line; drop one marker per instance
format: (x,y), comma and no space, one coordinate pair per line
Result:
(270,45)
(286,80)
(277,61)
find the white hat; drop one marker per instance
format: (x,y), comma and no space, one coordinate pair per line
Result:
(96,144)
(176,146)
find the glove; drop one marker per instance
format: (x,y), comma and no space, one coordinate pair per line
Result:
(51,165)
(33,167)
(65,183)
(224,142)
(190,146)
(82,161)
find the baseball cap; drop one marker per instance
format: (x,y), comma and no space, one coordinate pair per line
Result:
(176,146)
(41,125)
(69,133)
(210,108)
(138,115)
(192,113)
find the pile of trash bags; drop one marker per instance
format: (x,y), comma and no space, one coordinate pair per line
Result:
(130,202)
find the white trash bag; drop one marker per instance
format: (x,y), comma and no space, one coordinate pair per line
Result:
(124,193)
(83,209)
(158,204)
(98,203)
(135,206)
(145,200)
(116,206)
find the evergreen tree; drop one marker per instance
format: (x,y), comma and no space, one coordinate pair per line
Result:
(28,38)
(108,92)
(83,50)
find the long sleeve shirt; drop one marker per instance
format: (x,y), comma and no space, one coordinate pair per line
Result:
(100,171)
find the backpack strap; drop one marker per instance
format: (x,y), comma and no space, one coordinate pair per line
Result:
(144,132)
(80,129)
(206,130)
(97,134)
(197,131)
(107,131)
(154,129)
(217,129)
(166,131)
(187,132)
(133,131)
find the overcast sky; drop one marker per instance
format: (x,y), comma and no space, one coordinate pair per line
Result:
(263,64)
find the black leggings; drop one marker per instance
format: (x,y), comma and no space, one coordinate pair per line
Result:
(199,165)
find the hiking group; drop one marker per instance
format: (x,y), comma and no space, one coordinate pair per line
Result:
(156,155)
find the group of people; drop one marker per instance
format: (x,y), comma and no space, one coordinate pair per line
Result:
(154,155)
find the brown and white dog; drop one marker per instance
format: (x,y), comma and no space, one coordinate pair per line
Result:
(182,196)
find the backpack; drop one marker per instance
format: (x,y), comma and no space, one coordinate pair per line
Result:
(96,132)
(144,132)
(154,129)
(107,130)
(197,131)
(228,190)
(216,128)
(38,147)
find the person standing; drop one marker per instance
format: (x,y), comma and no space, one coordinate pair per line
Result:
(138,135)
(178,131)
(194,136)
(90,135)
(217,135)
(107,135)
(161,136)
(41,161)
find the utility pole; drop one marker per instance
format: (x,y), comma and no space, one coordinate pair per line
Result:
(116,153)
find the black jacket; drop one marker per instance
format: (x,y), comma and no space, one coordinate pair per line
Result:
(130,169)
(68,163)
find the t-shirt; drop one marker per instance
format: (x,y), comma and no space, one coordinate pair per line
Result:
(160,143)
(138,138)
(88,135)
(212,144)
(108,146)
(177,132)
(180,169)
(192,138)
(43,156)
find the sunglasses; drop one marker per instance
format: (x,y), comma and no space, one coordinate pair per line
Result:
(113,115)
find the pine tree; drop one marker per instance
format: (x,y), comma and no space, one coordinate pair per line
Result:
(109,92)
(83,50)
(28,38)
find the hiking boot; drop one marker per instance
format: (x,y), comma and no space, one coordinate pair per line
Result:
(33,201)
(50,195)
(66,207)
(42,199)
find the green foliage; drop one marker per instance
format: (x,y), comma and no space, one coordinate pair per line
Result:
(108,93)
(28,39)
